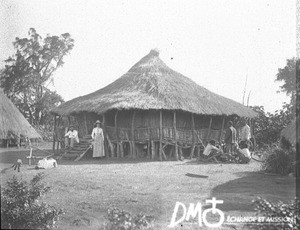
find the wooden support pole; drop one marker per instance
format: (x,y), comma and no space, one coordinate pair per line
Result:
(209,129)
(175,135)
(152,150)
(149,144)
(121,149)
(193,131)
(180,153)
(160,136)
(117,136)
(105,133)
(222,129)
(132,136)
(85,123)
(112,148)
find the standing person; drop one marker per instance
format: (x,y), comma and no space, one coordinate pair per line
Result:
(98,140)
(230,137)
(70,137)
(245,134)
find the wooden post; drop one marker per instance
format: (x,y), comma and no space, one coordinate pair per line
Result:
(105,134)
(180,153)
(132,136)
(193,131)
(152,149)
(121,149)
(223,123)
(85,123)
(160,135)
(117,136)
(209,129)
(54,133)
(175,135)
(149,143)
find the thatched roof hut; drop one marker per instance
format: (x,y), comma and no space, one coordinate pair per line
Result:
(151,85)
(153,96)
(12,122)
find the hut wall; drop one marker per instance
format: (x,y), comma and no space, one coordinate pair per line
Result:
(124,118)
(85,121)
(147,126)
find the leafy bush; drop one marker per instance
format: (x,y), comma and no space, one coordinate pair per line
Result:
(20,208)
(288,214)
(122,220)
(280,161)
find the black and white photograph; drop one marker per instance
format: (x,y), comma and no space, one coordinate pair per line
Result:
(149,115)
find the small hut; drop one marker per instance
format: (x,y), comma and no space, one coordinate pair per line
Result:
(12,122)
(153,111)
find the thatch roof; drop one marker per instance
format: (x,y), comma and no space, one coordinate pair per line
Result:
(289,132)
(12,120)
(151,84)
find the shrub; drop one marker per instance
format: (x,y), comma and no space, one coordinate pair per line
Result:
(289,213)
(20,208)
(121,220)
(280,161)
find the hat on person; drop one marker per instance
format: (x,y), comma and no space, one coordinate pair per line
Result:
(98,122)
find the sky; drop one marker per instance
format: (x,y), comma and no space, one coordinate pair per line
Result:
(216,43)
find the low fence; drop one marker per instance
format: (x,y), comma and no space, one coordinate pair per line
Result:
(185,136)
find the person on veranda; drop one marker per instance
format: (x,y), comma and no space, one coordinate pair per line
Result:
(211,149)
(71,137)
(230,138)
(245,133)
(98,140)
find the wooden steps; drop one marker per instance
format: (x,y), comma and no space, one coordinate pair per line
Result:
(79,148)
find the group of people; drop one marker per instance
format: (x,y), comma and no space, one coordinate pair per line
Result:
(234,148)
(97,136)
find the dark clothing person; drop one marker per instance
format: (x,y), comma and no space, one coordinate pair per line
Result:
(230,138)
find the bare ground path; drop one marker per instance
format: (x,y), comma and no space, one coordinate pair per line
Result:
(86,189)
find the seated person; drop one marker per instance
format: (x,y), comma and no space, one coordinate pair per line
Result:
(243,152)
(211,150)
(70,137)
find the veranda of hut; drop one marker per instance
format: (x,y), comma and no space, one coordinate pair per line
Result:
(154,134)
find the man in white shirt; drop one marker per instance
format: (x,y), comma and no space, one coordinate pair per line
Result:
(211,149)
(70,137)
(245,133)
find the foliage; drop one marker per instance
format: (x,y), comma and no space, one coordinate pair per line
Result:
(268,126)
(45,131)
(30,70)
(20,208)
(280,161)
(287,75)
(122,220)
(289,213)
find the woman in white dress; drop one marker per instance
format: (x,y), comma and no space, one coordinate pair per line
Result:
(98,141)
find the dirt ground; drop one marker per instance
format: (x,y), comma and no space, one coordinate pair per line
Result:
(87,188)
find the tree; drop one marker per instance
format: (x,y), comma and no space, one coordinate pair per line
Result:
(288,76)
(268,126)
(30,70)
